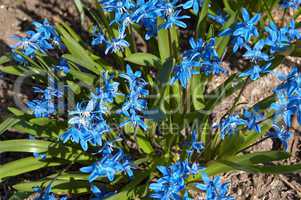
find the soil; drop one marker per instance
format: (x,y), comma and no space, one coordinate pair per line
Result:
(16,16)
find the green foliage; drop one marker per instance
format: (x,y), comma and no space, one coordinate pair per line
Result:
(186,108)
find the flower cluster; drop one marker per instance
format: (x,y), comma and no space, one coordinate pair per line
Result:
(45,106)
(62,66)
(88,123)
(134,104)
(46,194)
(142,12)
(109,166)
(43,39)
(202,55)
(287,105)
(243,31)
(215,189)
(294,4)
(172,183)
(229,126)
(278,39)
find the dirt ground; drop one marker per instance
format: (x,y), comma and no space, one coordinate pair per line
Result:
(16,16)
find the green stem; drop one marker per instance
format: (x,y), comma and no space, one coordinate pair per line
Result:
(170,43)
(283,16)
(64,170)
(252,145)
(133,43)
(269,11)
(231,110)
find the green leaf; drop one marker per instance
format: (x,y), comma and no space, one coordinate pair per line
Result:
(70,176)
(80,7)
(198,85)
(81,59)
(165,71)
(269,169)
(216,167)
(22,145)
(20,195)
(222,42)
(82,76)
(74,87)
(14,70)
(232,145)
(126,192)
(163,42)
(58,186)
(52,150)
(4,59)
(143,143)
(202,15)
(7,124)
(144,59)
(16,111)
(24,165)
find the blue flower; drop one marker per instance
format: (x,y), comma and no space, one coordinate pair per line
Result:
(215,189)
(98,194)
(252,119)
(48,34)
(294,4)
(255,54)
(282,108)
(109,166)
(174,19)
(41,108)
(277,39)
(184,71)
(203,55)
(291,82)
(87,124)
(292,32)
(212,67)
(194,4)
(116,6)
(116,45)
(255,71)
(247,28)
(171,183)
(134,104)
(27,45)
(210,61)
(283,135)
(44,106)
(243,31)
(196,51)
(98,37)
(110,88)
(43,39)
(63,66)
(195,144)
(44,194)
(229,126)
(220,18)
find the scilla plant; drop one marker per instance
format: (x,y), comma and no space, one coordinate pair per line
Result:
(126,112)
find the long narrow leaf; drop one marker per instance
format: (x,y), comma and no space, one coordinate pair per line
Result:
(7,124)
(24,165)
